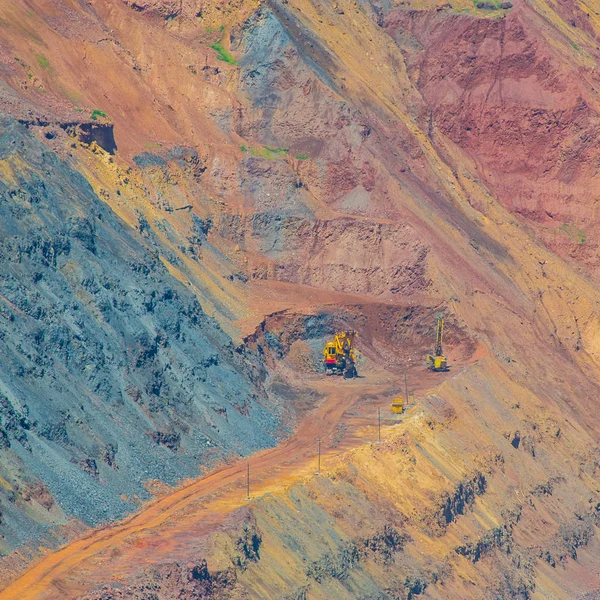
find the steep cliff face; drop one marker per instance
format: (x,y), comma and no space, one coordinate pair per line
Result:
(518,94)
(194,194)
(112,373)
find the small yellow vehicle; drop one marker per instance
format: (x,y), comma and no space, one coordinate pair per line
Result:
(398,406)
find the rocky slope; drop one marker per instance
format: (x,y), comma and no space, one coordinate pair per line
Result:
(112,373)
(173,172)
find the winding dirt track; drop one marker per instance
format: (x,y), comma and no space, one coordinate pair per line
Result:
(197,508)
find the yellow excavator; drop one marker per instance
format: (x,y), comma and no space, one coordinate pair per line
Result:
(338,355)
(437,361)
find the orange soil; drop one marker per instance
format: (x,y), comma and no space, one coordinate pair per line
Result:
(168,527)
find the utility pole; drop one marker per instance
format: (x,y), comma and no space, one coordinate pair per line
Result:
(379,423)
(318,455)
(248,482)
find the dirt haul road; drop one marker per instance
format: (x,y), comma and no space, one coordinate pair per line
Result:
(182,517)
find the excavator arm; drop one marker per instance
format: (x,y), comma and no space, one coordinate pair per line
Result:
(437,361)
(439,333)
(339,354)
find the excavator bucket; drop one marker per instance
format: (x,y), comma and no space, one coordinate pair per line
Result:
(350,372)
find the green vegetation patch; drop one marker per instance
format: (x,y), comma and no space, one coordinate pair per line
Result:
(573,233)
(42,61)
(266,152)
(98,113)
(301,157)
(270,153)
(492,5)
(223,54)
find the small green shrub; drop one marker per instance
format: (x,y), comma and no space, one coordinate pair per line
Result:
(277,150)
(98,113)
(573,233)
(223,54)
(42,61)
(301,157)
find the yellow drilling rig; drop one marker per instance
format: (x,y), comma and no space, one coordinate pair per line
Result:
(338,355)
(438,361)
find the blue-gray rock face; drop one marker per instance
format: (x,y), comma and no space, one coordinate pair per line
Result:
(110,373)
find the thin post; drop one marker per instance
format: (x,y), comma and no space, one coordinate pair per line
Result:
(406,387)
(248,482)
(379,423)
(318,455)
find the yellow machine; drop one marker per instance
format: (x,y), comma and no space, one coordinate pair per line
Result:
(338,355)
(438,361)
(398,406)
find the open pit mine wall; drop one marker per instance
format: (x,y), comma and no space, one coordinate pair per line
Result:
(118,239)
(111,372)
(114,375)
